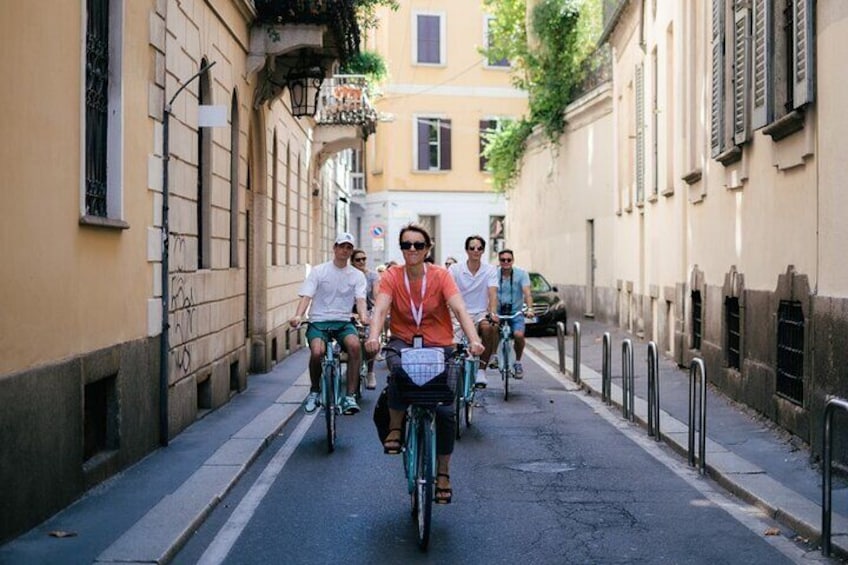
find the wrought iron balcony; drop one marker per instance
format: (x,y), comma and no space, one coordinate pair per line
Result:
(344,102)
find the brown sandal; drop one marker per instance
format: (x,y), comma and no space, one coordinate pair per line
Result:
(393,446)
(445,492)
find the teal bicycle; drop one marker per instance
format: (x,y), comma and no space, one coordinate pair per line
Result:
(465,388)
(331,389)
(506,350)
(419,445)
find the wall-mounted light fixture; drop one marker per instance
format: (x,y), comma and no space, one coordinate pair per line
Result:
(304,85)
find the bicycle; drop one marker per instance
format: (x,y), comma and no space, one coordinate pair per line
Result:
(419,433)
(506,350)
(331,388)
(465,386)
(362,330)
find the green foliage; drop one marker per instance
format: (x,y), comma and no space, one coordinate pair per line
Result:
(504,150)
(547,62)
(366,63)
(367,12)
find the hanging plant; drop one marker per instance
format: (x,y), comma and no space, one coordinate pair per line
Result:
(366,63)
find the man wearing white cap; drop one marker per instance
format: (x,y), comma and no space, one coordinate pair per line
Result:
(332,289)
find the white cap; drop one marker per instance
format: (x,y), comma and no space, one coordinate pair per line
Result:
(345,237)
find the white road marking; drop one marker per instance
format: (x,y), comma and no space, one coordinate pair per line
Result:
(747,515)
(230,532)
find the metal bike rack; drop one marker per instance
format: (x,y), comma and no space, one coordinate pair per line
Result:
(653,392)
(696,367)
(560,327)
(606,370)
(575,361)
(831,406)
(628,395)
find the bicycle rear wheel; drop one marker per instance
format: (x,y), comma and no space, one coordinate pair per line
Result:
(330,395)
(424,484)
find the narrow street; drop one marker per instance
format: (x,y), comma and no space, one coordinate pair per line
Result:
(551,476)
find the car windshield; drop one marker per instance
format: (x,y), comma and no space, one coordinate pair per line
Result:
(538,283)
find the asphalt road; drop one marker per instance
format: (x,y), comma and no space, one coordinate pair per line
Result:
(551,476)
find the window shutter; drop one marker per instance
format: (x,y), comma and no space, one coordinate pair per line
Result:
(445,145)
(428,39)
(762,72)
(484,129)
(423,144)
(640,133)
(741,57)
(803,50)
(717,109)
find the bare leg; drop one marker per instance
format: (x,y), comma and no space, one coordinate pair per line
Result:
(316,355)
(354,358)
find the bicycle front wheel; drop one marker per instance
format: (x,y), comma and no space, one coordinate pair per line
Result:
(459,400)
(506,365)
(424,484)
(468,400)
(330,396)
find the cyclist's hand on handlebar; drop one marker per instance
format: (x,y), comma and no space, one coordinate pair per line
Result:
(476,348)
(296,321)
(372,345)
(492,317)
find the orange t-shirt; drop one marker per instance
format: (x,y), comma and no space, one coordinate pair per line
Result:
(436,326)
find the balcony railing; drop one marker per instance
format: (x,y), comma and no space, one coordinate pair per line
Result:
(344,101)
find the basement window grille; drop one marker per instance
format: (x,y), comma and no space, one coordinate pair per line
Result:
(697,319)
(734,340)
(790,351)
(96,106)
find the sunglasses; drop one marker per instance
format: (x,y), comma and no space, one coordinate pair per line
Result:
(407,245)
(475,248)
(505,260)
(360,259)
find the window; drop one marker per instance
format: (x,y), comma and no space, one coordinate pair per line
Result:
(102,190)
(487,41)
(762,70)
(640,133)
(790,350)
(275,202)
(204,176)
(357,172)
(734,333)
(433,144)
(487,128)
(697,319)
(234,180)
(428,44)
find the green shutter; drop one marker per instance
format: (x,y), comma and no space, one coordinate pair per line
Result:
(741,58)
(803,52)
(717,107)
(762,106)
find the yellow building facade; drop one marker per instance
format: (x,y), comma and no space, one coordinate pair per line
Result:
(424,162)
(149,117)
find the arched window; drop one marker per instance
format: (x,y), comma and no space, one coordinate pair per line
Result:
(235,131)
(204,176)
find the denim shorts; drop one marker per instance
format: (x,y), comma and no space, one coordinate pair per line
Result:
(517,323)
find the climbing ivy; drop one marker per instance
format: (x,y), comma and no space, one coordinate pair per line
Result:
(547,55)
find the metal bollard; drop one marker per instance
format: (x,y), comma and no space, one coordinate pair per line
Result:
(653,392)
(628,395)
(575,366)
(560,327)
(827,456)
(697,366)
(606,370)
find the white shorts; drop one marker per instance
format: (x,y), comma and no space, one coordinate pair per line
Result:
(457,331)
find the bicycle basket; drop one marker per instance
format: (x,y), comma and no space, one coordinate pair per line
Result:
(426,383)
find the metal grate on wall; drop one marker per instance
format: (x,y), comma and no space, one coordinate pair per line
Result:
(96,106)
(790,351)
(734,337)
(697,319)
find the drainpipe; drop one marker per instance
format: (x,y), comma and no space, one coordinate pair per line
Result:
(164,342)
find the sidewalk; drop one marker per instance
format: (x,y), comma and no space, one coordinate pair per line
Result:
(146,513)
(745,453)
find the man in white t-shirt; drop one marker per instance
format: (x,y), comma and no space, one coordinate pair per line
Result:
(478,284)
(332,289)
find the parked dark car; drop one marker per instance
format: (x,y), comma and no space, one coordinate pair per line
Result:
(547,305)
